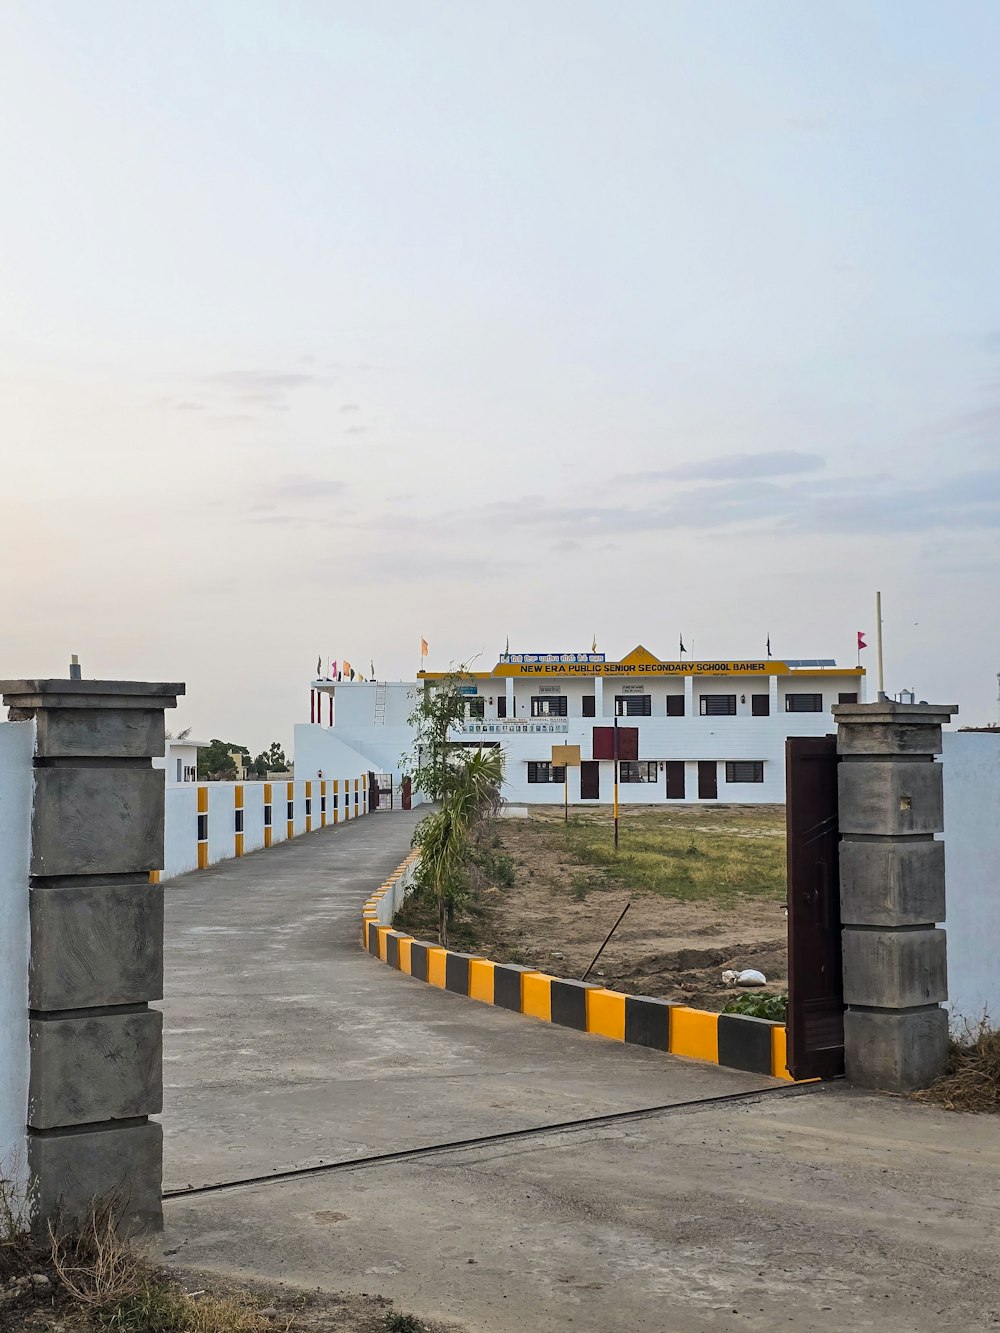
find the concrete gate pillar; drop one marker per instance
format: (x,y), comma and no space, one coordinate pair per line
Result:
(96,944)
(892,892)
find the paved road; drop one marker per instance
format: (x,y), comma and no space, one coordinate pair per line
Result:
(286,1044)
(824,1209)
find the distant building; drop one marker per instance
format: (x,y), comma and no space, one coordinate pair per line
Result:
(688,731)
(181,761)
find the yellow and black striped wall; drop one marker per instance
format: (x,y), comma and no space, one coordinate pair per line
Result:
(732,1040)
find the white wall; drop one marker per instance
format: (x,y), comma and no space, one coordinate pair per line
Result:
(180,836)
(972,873)
(17,744)
(180,831)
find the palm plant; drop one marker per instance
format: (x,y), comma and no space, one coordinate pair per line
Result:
(470,799)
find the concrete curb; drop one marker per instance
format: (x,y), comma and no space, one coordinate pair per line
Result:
(733,1040)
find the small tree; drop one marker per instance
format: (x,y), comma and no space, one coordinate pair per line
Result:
(440,706)
(471,800)
(215,762)
(271,760)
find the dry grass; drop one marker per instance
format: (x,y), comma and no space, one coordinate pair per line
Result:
(972,1079)
(101,1280)
(688,853)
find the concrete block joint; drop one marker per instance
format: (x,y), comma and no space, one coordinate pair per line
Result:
(96,944)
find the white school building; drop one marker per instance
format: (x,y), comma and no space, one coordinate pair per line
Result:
(691,731)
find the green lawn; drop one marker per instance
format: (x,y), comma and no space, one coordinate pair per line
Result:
(692,852)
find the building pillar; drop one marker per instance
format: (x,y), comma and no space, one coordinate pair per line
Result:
(892,893)
(96,944)
(598,696)
(689,696)
(772,695)
(509,688)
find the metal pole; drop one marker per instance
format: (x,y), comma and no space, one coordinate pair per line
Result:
(878,645)
(616,785)
(607,937)
(566,796)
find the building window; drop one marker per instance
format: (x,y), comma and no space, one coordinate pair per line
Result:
(180,764)
(477,707)
(847,698)
(589,706)
(633,705)
(803,703)
(549,705)
(502,706)
(745,770)
(675,705)
(239,819)
(545,772)
(641,771)
(760,705)
(717,705)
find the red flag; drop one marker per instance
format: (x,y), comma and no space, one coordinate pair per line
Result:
(861,639)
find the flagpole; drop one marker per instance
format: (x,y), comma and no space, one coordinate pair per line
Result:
(878,631)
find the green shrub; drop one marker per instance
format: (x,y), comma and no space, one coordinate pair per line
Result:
(771,1007)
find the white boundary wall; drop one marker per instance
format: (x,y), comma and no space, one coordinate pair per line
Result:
(200,826)
(971,763)
(17,745)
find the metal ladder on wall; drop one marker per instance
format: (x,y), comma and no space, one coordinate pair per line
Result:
(380,694)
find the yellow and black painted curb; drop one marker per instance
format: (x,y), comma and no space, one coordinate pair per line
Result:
(733,1040)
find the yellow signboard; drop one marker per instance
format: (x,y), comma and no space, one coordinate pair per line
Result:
(567,756)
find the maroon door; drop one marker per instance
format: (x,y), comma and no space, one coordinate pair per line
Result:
(675,779)
(708,780)
(815,977)
(590,780)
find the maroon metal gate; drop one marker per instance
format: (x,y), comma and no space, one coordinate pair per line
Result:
(815,979)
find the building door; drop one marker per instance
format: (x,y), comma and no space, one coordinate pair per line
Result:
(815,976)
(590,780)
(675,779)
(708,780)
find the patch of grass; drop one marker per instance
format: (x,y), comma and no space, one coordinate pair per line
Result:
(972,1079)
(772,1007)
(404,1323)
(694,854)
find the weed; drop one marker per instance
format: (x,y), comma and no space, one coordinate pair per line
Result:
(972,1079)
(404,1323)
(772,1007)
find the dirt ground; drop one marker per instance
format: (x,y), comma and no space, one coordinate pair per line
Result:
(560,907)
(285,1309)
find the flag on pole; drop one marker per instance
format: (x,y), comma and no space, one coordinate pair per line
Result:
(593,646)
(423,648)
(319,667)
(333,669)
(683,649)
(769,645)
(861,639)
(372,665)
(506,651)
(348,669)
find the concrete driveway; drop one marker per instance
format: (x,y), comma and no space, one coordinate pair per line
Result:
(287,1047)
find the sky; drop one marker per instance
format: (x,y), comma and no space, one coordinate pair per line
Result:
(328,326)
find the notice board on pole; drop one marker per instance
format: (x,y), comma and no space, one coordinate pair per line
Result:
(566,756)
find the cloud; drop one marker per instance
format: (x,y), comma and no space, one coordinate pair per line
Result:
(733,467)
(298,486)
(350,407)
(267,380)
(355,430)
(189,407)
(869,506)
